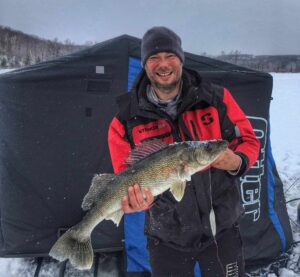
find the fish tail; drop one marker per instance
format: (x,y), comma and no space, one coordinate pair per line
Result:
(78,251)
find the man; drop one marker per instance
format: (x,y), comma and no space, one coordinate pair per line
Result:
(173,103)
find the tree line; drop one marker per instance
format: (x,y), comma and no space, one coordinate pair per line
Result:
(266,63)
(18,49)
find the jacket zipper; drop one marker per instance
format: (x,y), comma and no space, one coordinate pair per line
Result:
(175,129)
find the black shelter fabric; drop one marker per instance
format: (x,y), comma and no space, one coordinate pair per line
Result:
(54,122)
(55,116)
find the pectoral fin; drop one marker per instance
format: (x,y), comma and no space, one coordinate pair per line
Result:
(177,189)
(116,217)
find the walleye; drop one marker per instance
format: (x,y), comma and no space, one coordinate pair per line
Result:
(153,164)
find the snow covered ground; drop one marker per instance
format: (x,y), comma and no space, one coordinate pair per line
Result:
(5,70)
(285,132)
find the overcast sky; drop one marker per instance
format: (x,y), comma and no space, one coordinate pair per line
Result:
(211,26)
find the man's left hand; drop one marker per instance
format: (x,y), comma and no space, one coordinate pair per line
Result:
(228,161)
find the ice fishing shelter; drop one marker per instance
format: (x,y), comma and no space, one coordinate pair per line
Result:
(53,139)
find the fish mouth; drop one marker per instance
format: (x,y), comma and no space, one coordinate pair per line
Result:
(209,150)
(223,144)
(217,146)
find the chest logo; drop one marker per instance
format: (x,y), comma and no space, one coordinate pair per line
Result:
(207,119)
(151,128)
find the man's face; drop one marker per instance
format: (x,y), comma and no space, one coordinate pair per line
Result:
(164,71)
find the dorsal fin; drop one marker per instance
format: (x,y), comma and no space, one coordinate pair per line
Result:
(145,149)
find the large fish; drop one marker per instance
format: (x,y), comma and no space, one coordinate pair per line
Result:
(153,164)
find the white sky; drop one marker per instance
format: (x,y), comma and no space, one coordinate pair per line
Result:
(251,26)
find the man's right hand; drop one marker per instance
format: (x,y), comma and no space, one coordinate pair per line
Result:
(135,202)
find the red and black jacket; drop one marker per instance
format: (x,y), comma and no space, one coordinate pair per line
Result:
(205,111)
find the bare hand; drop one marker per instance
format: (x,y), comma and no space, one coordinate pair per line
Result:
(227,161)
(135,201)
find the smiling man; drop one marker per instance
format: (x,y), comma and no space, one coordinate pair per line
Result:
(164,71)
(173,103)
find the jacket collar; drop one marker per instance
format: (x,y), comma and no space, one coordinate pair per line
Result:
(194,90)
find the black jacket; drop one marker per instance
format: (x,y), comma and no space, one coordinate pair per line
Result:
(206,111)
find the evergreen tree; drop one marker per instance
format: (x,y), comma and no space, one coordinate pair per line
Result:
(3,62)
(27,60)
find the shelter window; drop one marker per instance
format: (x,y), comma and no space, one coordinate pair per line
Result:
(99,69)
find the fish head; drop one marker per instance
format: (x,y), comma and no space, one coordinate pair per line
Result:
(205,152)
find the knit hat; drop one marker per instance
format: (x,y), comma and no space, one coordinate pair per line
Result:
(160,39)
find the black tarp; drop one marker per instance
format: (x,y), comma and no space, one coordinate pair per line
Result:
(54,122)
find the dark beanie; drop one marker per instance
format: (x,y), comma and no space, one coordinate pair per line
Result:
(160,39)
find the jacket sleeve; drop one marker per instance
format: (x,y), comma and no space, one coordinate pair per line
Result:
(246,145)
(118,145)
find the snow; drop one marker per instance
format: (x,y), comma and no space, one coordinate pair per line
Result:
(285,132)
(5,70)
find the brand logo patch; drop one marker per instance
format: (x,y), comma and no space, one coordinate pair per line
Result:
(207,119)
(232,270)
(154,127)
